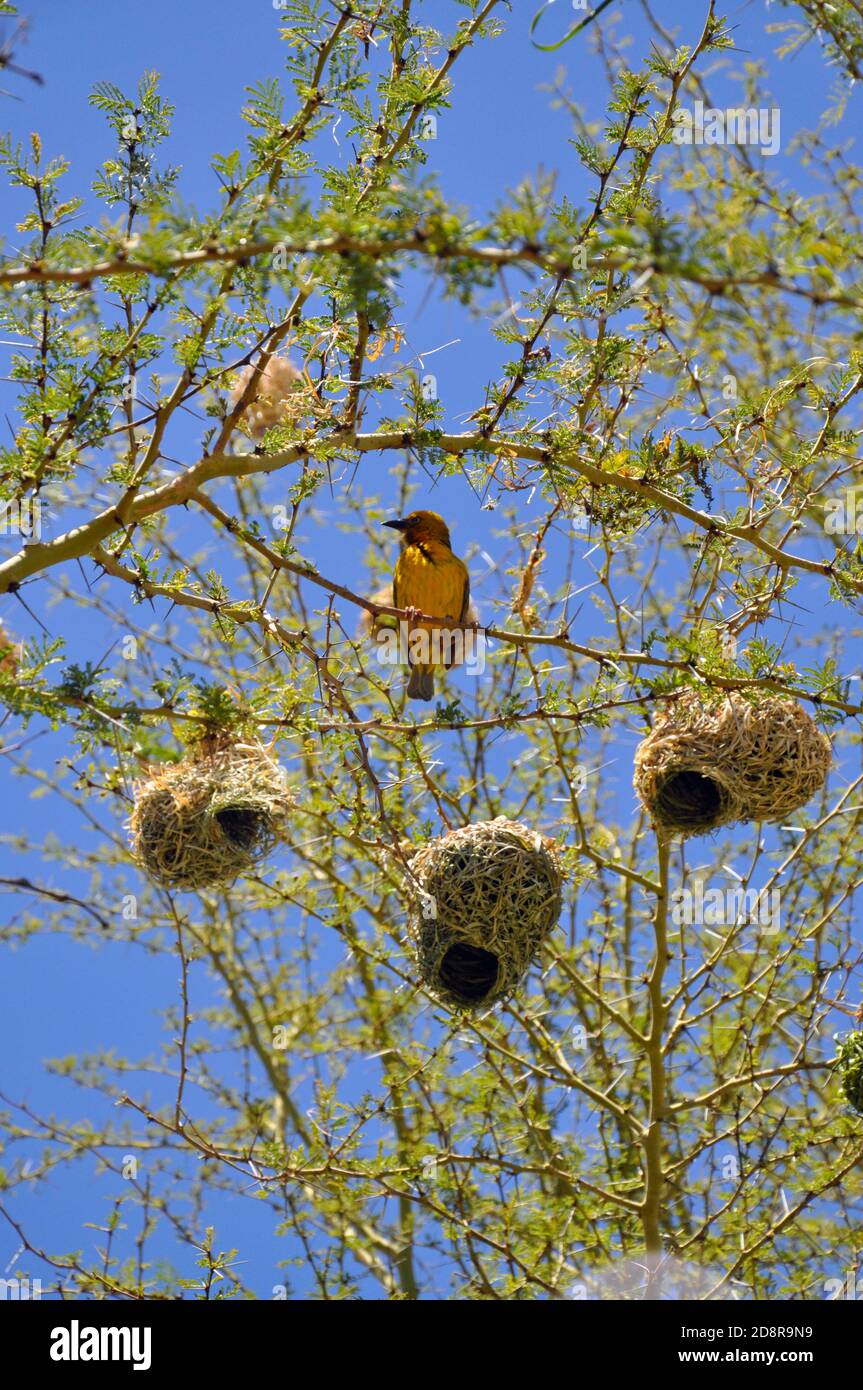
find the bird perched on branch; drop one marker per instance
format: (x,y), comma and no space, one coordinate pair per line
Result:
(428,579)
(369,626)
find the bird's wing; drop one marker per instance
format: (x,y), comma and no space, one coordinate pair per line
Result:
(466,600)
(396,601)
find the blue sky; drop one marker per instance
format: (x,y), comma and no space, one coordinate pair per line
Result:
(60,997)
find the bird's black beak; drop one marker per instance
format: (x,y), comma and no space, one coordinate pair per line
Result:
(396,525)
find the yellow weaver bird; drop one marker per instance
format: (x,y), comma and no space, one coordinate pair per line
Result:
(428,579)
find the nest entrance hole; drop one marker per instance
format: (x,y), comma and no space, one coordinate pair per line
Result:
(689,801)
(469,971)
(241,826)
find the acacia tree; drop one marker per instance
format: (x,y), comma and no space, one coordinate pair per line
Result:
(680,389)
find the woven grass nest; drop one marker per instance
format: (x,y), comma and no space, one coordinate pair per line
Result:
(202,822)
(849,1062)
(484,899)
(283,393)
(706,765)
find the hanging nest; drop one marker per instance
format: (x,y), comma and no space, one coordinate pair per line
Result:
(703,765)
(484,899)
(849,1063)
(201,823)
(283,394)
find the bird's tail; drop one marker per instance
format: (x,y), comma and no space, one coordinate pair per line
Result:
(421,686)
